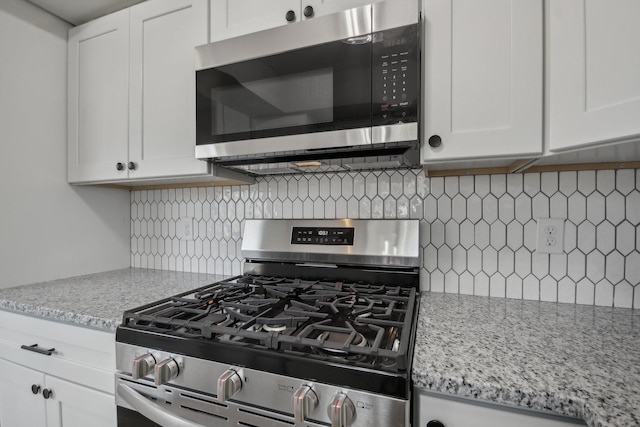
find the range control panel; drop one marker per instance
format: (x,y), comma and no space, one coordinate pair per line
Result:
(396,55)
(322,236)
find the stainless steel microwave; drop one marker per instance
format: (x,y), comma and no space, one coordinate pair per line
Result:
(339,91)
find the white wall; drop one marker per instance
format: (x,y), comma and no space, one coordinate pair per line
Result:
(48,229)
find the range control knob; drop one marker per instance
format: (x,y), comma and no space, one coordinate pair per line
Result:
(166,370)
(305,401)
(143,365)
(435,423)
(341,411)
(229,383)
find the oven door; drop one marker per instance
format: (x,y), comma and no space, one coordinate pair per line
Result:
(303,86)
(142,404)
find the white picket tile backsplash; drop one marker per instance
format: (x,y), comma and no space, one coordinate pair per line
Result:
(477,233)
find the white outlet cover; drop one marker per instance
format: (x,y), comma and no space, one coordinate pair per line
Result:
(185,228)
(550,236)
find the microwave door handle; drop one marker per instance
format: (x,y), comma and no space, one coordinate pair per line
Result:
(150,410)
(358,40)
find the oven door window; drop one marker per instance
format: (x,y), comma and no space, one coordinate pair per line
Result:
(320,88)
(129,418)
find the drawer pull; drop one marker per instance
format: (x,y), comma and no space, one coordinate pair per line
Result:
(36,349)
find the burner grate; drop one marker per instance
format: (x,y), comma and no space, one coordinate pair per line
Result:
(367,325)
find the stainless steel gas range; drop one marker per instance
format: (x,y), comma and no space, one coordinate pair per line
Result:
(318,331)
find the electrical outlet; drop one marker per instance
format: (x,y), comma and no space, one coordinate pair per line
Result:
(185,229)
(550,239)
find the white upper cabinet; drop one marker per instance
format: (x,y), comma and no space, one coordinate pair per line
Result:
(326,7)
(98,122)
(132,94)
(231,18)
(483,84)
(162,128)
(594,72)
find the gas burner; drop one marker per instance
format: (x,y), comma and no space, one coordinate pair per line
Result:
(340,338)
(274,328)
(218,319)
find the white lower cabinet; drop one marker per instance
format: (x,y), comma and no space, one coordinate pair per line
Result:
(18,405)
(23,402)
(451,412)
(65,378)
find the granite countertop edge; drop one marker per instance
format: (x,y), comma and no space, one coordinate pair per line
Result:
(99,300)
(538,400)
(76,319)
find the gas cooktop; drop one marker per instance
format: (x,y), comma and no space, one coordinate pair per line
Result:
(361,324)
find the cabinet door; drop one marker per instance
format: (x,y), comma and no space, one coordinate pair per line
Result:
(594,72)
(71,405)
(231,18)
(483,78)
(19,407)
(98,86)
(162,136)
(326,7)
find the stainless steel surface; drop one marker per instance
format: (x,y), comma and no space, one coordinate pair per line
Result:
(265,400)
(341,411)
(291,143)
(394,133)
(395,13)
(150,410)
(165,371)
(143,365)
(355,26)
(348,161)
(305,401)
(376,242)
(323,29)
(229,384)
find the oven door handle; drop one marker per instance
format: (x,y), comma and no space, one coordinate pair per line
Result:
(150,410)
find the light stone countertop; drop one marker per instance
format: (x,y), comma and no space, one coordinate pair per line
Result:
(98,300)
(574,360)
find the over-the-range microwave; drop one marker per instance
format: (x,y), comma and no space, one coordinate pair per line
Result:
(331,93)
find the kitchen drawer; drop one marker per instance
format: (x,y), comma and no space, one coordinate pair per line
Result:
(82,355)
(453,411)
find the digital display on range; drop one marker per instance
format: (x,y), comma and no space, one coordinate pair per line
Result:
(322,236)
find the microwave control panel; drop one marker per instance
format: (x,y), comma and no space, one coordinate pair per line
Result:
(396,71)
